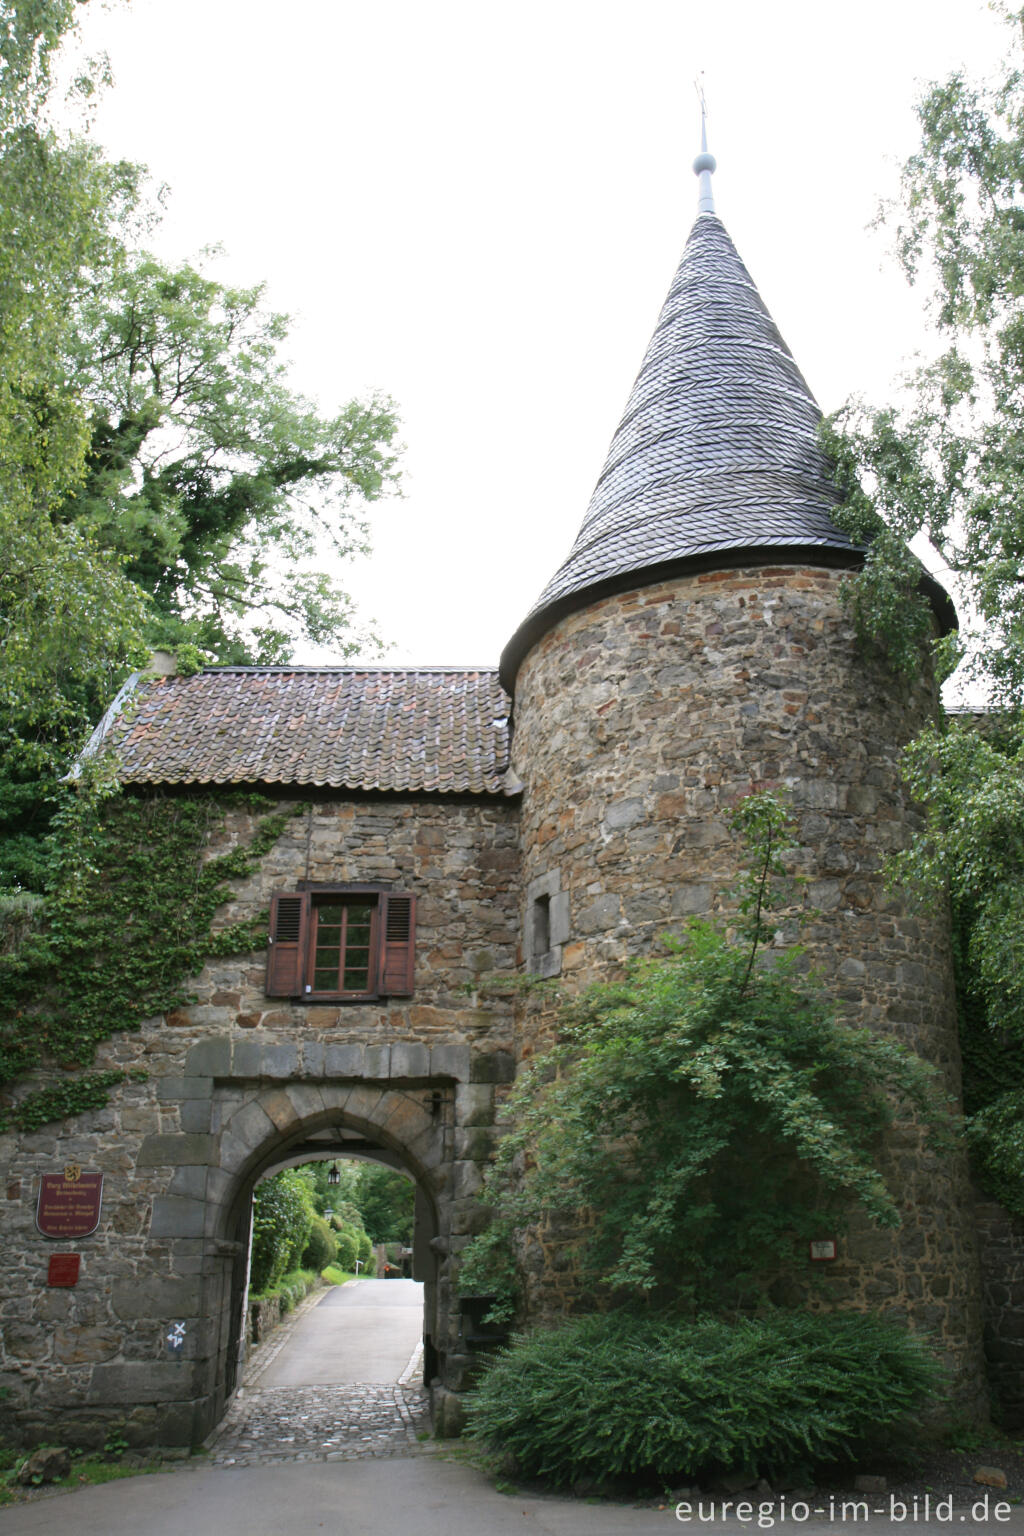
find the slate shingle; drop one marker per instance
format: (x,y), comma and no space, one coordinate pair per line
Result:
(437,729)
(716,453)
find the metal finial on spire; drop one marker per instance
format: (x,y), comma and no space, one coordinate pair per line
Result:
(704,163)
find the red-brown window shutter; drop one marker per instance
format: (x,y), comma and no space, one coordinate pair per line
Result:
(398,923)
(288,918)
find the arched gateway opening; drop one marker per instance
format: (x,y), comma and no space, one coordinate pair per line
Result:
(266,1130)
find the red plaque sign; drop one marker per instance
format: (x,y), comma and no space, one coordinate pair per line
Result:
(63,1269)
(69,1203)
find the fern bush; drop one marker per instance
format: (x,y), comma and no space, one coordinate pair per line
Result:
(653,1398)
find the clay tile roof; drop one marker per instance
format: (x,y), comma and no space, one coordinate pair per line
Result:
(717,451)
(429,728)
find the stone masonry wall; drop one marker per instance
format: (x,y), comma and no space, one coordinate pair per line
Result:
(639,722)
(1001,1240)
(236,1082)
(461,860)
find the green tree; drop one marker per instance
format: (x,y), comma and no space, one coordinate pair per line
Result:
(208,474)
(385,1201)
(700,1117)
(372,1203)
(71,628)
(282,1220)
(947,463)
(71,623)
(160,483)
(62,209)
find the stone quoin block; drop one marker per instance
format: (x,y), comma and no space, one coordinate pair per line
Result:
(175,1150)
(210,1058)
(142,1381)
(450,1061)
(177,1217)
(409,1059)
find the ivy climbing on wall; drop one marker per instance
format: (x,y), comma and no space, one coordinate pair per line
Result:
(128,919)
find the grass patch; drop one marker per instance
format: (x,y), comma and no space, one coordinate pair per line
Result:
(335,1276)
(87,1469)
(290,1289)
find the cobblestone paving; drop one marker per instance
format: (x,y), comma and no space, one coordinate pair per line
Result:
(320,1423)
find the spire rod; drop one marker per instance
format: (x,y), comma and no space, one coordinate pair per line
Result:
(704,163)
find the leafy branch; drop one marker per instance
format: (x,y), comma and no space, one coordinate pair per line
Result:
(708,1107)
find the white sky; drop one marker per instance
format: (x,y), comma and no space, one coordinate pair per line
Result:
(477,208)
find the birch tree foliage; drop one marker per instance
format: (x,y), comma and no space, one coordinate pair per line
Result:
(214,480)
(947,462)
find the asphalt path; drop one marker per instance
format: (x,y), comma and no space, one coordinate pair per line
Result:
(366,1332)
(362,1332)
(421,1495)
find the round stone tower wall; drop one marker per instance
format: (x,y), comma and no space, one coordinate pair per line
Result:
(639,722)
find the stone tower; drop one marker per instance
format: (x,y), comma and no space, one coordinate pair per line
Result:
(692,647)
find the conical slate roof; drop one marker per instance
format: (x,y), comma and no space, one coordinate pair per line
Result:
(716,460)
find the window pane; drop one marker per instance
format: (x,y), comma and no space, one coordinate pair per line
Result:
(327,958)
(343,949)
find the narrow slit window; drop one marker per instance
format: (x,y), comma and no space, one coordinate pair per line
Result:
(541,935)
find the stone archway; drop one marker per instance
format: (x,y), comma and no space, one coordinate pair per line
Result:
(263,1129)
(154,1351)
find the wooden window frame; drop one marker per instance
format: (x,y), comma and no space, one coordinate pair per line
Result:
(292,947)
(344,900)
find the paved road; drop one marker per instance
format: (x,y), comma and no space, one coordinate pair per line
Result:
(418,1495)
(317,1450)
(364,1332)
(336,1381)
